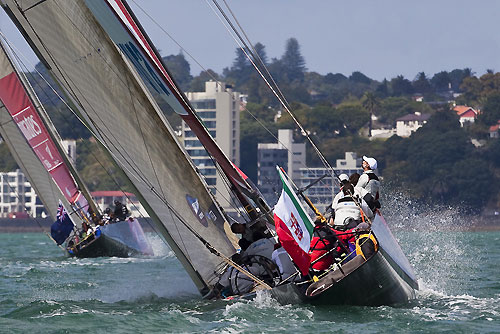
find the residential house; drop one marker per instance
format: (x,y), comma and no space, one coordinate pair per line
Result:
(408,124)
(466,114)
(494,130)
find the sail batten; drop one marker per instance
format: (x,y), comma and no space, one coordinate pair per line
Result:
(116,106)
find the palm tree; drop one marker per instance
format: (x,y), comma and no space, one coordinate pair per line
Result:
(370,102)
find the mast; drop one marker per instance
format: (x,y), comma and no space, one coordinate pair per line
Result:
(118,20)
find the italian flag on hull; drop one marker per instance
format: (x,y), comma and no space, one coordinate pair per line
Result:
(293,226)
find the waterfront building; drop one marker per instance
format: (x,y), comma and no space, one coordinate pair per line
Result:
(18,197)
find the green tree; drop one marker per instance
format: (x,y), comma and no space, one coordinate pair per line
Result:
(421,84)
(334,79)
(359,77)
(441,81)
(491,110)
(382,89)
(371,103)
(180,69)
(401,86)
(292,61)
(458,76)
(261,52)
(471,88)
(353,116)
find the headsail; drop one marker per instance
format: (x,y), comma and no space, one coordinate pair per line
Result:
(121,25)
(116,106)
(29,140)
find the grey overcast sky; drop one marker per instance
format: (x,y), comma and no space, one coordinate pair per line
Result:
(382,38)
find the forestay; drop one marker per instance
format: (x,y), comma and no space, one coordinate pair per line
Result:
(124,117)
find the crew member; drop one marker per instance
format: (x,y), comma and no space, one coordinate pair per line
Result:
(121,212)
(369,180)
(349,207)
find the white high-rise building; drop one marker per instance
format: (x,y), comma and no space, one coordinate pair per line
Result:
(17,196)
(218,107)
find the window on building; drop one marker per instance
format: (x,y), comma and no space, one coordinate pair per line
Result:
(27,189)
(210,124)
(12,179)
(212,133)
(197,153)
(5,188)
(192,143)
(206,114)
(204,104)
(211,181)
(208,171)
(203,162)
(27,199)
(38,202)
(39,211)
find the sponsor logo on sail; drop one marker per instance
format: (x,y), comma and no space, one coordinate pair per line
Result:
(195,208)
(29,127)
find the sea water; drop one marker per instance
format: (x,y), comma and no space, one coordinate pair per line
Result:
(42,291)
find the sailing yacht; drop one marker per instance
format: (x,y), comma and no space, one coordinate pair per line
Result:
(35,144)
(108,68)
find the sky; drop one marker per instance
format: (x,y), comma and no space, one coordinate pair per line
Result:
(381,39)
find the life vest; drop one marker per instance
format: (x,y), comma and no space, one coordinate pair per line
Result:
(366,245)
(345,210)
(373,185)
(323,241)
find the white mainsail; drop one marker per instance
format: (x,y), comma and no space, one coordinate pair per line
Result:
(123,116)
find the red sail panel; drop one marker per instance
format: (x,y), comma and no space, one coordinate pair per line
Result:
(19,105)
